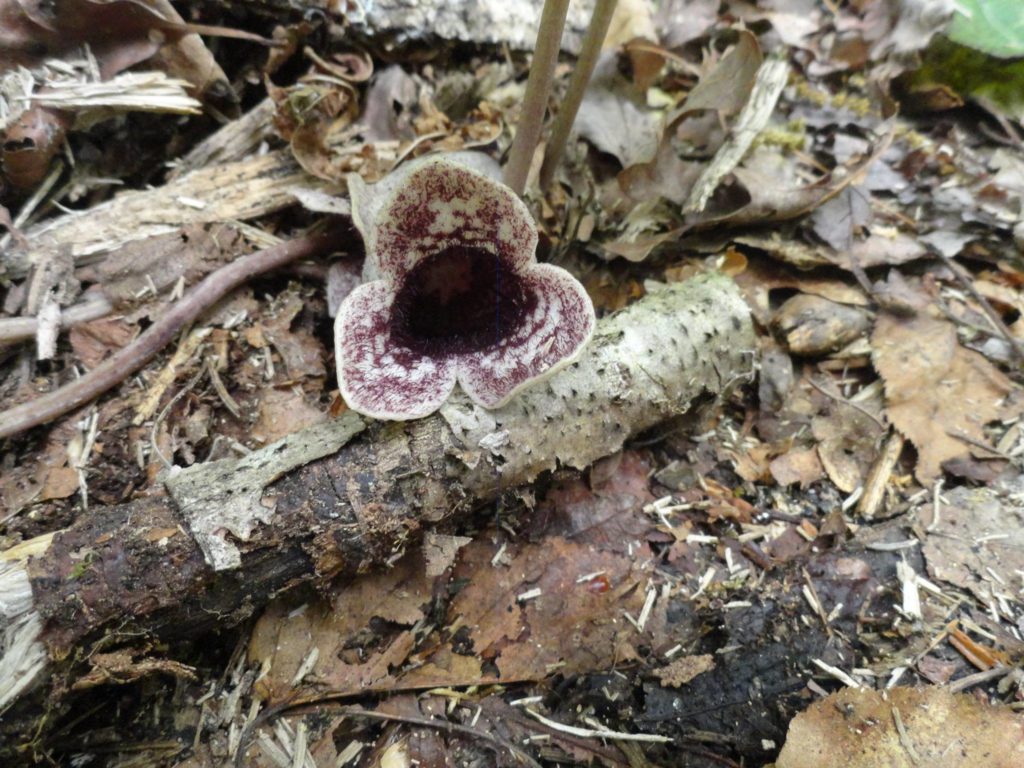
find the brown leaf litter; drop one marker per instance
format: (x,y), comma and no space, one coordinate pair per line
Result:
(903,727)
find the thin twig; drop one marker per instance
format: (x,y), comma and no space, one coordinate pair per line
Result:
(879,474)
(591,733)
(538,88)
(15,329)
(956,434)
(965,280)
(842,400)
(958,686)
(130,359)
(592,42)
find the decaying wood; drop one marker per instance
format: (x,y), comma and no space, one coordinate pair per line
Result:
(240,190)
(235,141)
(196,560)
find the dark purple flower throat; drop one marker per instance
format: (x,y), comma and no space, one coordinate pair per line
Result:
(462,299)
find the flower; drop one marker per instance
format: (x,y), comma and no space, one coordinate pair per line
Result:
(452,292)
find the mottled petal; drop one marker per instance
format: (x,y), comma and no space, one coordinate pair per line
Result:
(377,377)
(443,203)
(560,324)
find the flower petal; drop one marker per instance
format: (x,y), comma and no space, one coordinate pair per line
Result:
(376,377)
(550,337)
(443,203)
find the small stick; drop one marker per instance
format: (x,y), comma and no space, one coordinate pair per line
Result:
(15,329)
(131,358)
(842,400)
(878,476)
(978,444)
(538,88)
(958,686)
(593,40)
(590,733)
(965,280)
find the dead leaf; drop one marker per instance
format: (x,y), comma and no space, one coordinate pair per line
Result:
(936,670)
(607,512)
(875,250)
(340,633)
(800,465)
(61,482)
(911,26)
(387,115)
(93,342)
(978,538)
(302,353)
(615,118)
(762,278)
(632,19)
(847,439)
(505,623)
(667,176)
(115,30)
(840,219)
(726,86)
(936,390)
(569,625)
(792,20)
(315,118)
(640,248)
(903,728)
(680,21)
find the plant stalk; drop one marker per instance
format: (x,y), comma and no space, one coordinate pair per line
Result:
(538,88)
(593,41)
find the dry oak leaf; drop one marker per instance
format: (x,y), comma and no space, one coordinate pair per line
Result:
(903,728)
(937,392)
(363,638)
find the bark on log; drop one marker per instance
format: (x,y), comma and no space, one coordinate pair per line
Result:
(234,533)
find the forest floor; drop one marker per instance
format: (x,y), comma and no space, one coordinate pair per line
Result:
(822,565)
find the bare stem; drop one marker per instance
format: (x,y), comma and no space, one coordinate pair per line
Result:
(128,360)
(592,43)
(538,88)
(15,329)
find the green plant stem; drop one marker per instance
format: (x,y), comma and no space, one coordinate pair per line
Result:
(592,43)
(538,88)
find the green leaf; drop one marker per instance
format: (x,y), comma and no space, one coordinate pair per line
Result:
(993,26)
(974,75)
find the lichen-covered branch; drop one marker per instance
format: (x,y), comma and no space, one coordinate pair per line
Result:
(140,568)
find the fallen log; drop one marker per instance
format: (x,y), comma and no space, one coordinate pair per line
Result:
(343,498)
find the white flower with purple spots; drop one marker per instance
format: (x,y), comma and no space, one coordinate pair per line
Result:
(452,293)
